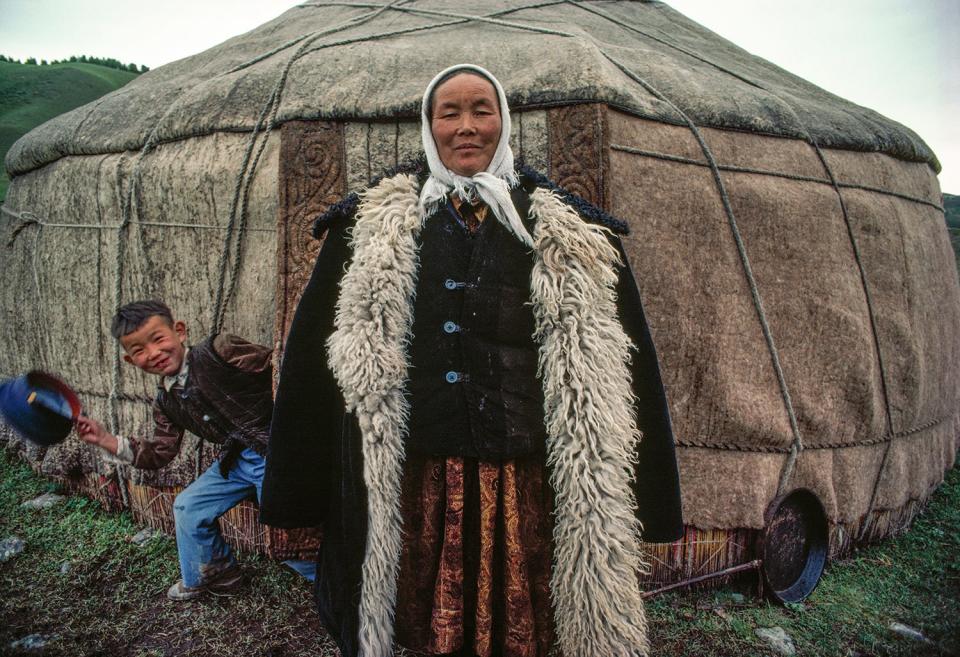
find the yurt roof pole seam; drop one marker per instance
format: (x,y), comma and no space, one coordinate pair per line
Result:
(747,269)
(770,172)
(698,57)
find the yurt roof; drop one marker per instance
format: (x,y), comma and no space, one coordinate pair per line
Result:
(369,60)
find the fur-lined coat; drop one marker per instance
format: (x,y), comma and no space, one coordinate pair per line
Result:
(339,426)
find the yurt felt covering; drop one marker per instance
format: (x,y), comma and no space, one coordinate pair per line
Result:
(789,246)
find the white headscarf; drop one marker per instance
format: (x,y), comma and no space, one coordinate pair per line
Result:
(492,185)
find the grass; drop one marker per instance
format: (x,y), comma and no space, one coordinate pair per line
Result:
(111,600)
(913,579)
(31,95)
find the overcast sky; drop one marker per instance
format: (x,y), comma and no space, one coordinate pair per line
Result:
(899,57)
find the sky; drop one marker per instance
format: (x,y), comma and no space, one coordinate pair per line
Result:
(898,57)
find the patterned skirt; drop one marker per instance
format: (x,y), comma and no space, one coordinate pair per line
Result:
(475,565)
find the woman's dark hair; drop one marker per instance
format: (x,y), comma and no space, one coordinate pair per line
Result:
(131,316)
(452,74)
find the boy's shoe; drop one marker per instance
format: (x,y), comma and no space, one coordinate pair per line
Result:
(224,583)
(227,582)
(180,592)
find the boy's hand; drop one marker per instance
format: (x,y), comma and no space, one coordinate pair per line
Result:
(94,433)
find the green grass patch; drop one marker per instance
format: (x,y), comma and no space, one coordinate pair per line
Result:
(31,95)
(912,579)
(111,599)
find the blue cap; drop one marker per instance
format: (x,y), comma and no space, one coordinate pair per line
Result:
(40,407)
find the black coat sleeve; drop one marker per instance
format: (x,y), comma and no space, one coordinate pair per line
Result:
(303,457)
(657,485)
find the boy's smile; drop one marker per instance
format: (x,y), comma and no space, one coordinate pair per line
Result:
(156,347)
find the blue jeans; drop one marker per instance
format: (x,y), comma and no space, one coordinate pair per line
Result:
(203,552)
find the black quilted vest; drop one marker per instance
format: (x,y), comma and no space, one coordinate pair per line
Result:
(219,403)
(473,382)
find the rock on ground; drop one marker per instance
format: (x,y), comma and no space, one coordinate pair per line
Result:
(31,642)
(777,639)
(142,537)
(11,547)
(45,501)
(908,632)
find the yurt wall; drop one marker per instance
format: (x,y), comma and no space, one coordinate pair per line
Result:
(103,230)
(824,333)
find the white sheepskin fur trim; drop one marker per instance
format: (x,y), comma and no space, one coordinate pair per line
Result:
(591,435)
(368,356)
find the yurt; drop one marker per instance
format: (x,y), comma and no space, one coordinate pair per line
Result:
(789,246)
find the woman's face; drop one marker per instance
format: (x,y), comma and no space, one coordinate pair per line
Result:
(466,123)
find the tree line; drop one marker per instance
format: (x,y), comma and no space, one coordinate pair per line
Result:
(109,62)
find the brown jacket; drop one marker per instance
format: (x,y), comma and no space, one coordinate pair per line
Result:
(231,382)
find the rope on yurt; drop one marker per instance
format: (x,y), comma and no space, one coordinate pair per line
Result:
(100,337)
(797,445)
(790,463)
(873,327)
(226,286)
(770,172)
(458,20)
(29,218)
(633,28)
(115,373)
(244,180)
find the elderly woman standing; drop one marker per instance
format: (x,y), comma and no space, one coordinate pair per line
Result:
(472,409)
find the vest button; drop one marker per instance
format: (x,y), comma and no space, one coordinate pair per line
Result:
(450,327)
(206,418)
(452,377)
(450,284)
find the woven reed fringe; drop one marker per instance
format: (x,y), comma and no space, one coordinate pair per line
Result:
(706,551)
(698,552)
(153,507)
(103,489)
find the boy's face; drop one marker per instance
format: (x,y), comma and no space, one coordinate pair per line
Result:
(156,346)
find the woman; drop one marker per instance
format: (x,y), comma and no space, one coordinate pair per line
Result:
(466,399)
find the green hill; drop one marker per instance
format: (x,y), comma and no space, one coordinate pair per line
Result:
(31,94)
(951,207)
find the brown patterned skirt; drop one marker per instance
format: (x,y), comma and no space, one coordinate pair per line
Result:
(475,565)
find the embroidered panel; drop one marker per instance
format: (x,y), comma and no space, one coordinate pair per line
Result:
(579,153)
(311,178)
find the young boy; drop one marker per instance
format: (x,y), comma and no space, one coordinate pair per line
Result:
(220,390)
